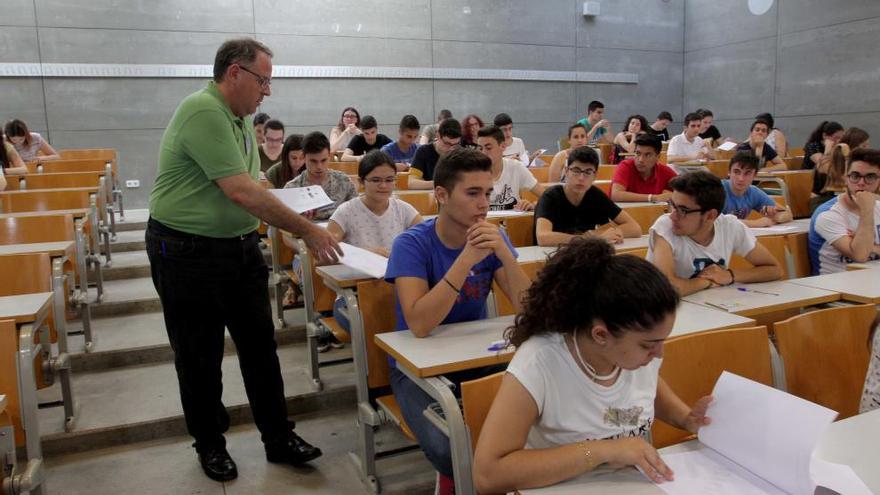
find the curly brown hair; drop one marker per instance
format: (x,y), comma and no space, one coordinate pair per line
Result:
(585,281)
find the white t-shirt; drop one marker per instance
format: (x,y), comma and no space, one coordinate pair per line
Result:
(731,237)
(571,407)
(365,229)
(680,146)
(514,178)
(517,151)
(833,224)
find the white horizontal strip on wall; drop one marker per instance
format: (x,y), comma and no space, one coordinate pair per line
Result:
(312,72)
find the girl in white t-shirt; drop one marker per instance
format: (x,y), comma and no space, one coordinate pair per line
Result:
(374,219)
(583,388)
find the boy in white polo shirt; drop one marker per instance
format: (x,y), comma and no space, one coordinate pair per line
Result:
(689,146)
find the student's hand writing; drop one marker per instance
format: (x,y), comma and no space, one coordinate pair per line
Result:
(524,205)
(716,275)
(322,245)
(635,451)
(697,417)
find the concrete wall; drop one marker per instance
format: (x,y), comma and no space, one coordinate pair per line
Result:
(130,114)
(804,61)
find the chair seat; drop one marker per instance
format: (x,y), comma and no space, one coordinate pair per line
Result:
(336,329)
(389,404)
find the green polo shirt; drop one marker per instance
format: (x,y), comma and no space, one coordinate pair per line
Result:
(204,142)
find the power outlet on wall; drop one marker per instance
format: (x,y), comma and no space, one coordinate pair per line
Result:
(132,184)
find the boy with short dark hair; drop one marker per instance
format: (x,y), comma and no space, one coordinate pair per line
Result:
(743,198)
(509,176)
(598,128)
(421,174)
(642,178)
(337,185)
(368,140)
(404,149)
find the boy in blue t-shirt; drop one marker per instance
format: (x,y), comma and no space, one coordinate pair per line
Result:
(743,197)
(442,271)
(404,149)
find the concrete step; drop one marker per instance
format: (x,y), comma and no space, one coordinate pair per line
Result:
(136,403)
(128,240)
(129,225)
(133,468)
(126,297)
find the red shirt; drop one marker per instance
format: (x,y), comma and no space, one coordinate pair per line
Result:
(627,175)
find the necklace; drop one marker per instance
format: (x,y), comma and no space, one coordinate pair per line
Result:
(591,372)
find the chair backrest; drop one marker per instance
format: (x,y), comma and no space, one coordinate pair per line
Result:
(377,301)
(476,399)
(503,306)
(76,165)
(422,201)
(62,180)
(692,364)
(27,230)
(604,186)
(349,168)
(98,153)
(520,229)
(541,173)
(606,172)
(44,200)
(724,154)
(25,274)
(796,152)
(402,183)
(646,215)
(719,168)
(826,355)
(605,151)
(776,244)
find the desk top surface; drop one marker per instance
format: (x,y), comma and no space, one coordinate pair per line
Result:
(56,248)
(24,308)
(854,285)
(76,212)
(762,298)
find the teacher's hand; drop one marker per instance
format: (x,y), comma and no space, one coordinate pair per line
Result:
(322,245)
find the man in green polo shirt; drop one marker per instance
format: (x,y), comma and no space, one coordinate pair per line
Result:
(206,261)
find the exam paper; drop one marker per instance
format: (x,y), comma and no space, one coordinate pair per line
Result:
(503,213)
(302,199)
(776,228)
(362,260)
(727,146)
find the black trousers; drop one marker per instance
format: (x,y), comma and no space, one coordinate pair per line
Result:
(206,285)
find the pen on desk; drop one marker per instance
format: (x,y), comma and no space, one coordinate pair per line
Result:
(756,291)
(716,306)
(498,345)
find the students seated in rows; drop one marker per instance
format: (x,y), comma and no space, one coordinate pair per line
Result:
(509,176)
(514,147)
(404,149)
(374,219)
(442,270)
(337,185)
(273,142)
(292,162)
(429,133)
(583,388)
(743,198)
(660,126)
(29,145)
(577,137)
(820,141)
(846,229)
(693,243)
(345,130)
(829,178)
(776,139)
(368,140)
(10,161)
(689,146)
(625,140)
(768,160)
(642,178)
(708,132)
(421,174)
(260,120)
(598,128)
(577,208)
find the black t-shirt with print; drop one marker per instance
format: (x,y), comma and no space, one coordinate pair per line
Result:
(596,209)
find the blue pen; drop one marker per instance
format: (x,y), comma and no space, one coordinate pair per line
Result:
(498,345)
(756,291)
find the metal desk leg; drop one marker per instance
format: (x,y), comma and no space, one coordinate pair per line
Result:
(459,442)
(60,364)
(28,387)
(313,331)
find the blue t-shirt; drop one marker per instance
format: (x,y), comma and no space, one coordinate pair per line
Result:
(397,155)
(596,135)
(418,252)
(815,241)
(741,206)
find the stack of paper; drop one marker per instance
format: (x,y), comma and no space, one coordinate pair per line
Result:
(302,199)
(363,260)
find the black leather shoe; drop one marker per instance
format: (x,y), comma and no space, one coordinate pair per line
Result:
(217,464)
(292,450)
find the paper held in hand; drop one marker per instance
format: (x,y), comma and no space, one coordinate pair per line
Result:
(760,441)
(727,146)
(364,261)
(302,199)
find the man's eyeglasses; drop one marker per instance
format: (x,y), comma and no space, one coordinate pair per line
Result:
(586,172)
(379,180)
(855,177)
(274,140)
(264,82)
(681,210)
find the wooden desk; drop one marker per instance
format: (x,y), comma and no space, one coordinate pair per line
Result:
(870,265)
(529,254)
(799,184)
(850,441)
(789,296)
(861,286)
(341,276)
(54,249)
(693,318)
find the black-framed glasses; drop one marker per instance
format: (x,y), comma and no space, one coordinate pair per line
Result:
(586,172)
(380,180)
(855,177)
(682,210)
(264,82)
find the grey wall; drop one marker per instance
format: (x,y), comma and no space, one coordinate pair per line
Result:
(130,114)
(804,61)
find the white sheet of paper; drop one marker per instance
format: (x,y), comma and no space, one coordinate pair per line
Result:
(767,431)
(839,478)
(362,260)
(707,471)
(776,228)
(503,213)
(302,199)
(727,146)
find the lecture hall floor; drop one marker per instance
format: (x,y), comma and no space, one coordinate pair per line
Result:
(130,435)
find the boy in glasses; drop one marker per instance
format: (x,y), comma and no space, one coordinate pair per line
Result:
(576,208)
(743,198)
(421,175)
(693,243)
(846,229)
